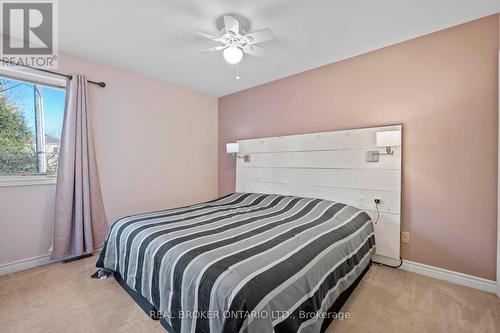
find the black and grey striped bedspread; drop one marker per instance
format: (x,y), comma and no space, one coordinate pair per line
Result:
(243,263)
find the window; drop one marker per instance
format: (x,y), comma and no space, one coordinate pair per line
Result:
(31,117)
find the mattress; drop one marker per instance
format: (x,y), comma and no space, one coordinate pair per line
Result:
(246,262)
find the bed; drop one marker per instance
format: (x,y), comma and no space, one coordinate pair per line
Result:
(283,253)
(246,262)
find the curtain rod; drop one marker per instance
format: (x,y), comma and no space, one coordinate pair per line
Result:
(100,84)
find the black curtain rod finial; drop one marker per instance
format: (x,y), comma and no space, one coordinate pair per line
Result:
(100,84)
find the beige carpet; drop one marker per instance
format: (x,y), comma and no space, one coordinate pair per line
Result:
(62,298)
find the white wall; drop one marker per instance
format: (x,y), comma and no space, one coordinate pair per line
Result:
(156,147)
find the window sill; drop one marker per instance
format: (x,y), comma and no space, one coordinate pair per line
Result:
(28,180)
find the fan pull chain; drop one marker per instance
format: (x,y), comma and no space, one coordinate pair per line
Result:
(237,72)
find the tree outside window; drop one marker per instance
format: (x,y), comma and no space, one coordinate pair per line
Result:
(30,127)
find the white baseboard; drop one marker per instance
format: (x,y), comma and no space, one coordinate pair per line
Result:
(385,260)
(23,264)
(450,276)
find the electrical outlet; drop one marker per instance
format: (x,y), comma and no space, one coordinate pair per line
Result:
(405,237)
(362,201)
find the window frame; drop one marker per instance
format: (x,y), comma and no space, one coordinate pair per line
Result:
(31,76)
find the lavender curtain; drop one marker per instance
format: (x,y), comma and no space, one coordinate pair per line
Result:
(80,223)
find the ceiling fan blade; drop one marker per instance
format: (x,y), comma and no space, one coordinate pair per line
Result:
(254,50)
(206,35)
(260,36)
(231,24)
(215,48)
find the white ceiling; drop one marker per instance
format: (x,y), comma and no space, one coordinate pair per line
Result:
(154,37)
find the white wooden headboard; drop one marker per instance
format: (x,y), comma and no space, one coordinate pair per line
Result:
(331,166)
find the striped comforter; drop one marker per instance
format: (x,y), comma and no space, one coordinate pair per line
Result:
(246,262)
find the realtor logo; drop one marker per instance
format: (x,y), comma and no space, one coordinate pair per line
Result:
(29,35)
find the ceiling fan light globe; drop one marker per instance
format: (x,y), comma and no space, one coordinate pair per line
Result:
(233,55)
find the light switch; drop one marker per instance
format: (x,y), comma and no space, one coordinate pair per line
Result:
(372,156)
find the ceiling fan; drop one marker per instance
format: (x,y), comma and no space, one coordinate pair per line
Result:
(236,41)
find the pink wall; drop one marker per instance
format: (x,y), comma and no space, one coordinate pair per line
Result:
(443,88)
(156,147)
(156,144)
